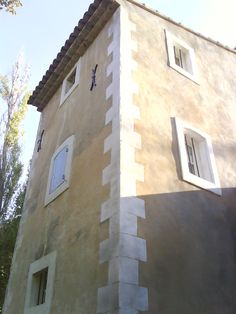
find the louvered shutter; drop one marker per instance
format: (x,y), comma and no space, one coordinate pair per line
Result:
(58,171)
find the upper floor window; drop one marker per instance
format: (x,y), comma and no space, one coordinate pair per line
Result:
(181,56)
(197,158)
(59,173)
(70,82)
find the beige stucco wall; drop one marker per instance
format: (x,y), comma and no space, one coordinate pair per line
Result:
(69,225)
(190,232)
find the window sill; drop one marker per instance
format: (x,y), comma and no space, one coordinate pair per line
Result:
(184,73)
(52,196)
(202,183)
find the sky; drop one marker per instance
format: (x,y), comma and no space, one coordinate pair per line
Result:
(41,27)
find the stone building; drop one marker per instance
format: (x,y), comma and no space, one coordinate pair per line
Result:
(131,202)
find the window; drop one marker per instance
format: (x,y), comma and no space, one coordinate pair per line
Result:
(192,149)
(181,56)
(59,173)
(70,82)
(40,285)
(197,158)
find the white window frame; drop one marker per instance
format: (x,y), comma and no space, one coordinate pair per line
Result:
(65,94)
(173,41)
(48,261)
(212,185)
(50,196)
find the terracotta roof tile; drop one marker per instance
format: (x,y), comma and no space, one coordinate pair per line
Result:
(99,10)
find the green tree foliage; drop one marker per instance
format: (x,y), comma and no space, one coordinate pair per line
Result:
(13,108)
(8,233)
(10,5)
(14,95)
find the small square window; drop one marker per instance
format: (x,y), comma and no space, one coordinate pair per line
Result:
(40,285)
(59,173)
(197,158)
(70,82)
(181,56)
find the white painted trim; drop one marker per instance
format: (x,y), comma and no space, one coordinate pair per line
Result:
(64,95)
(46,261)
(128,299)
(49,197)
(123,249)
(213,186)
(171,40)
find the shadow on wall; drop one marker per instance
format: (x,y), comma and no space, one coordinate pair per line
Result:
(191,248)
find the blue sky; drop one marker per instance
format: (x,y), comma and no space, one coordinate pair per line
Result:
(41,27)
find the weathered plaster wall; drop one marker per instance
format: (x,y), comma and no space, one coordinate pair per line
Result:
(190,233)
(125,167)
(71,223)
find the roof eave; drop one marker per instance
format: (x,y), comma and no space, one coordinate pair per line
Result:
(98,14)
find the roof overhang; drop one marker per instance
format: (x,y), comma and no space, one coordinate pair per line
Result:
(98,14)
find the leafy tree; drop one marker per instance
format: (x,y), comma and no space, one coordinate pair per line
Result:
(10,5)
(8,233)
(14,95)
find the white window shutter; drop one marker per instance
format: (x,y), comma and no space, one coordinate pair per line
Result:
(58,172)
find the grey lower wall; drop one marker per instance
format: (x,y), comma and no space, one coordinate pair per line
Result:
(192,264)
(190,232)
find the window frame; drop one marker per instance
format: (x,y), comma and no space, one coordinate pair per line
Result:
(65,94)
(206,145)
(50,196)
(173,41)
(49,262)
(40,286)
